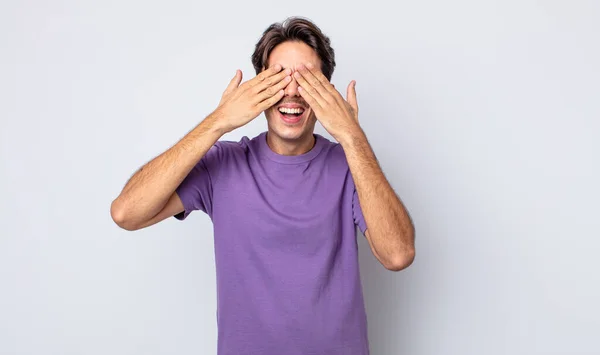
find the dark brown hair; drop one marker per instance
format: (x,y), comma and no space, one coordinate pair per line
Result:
(294,29)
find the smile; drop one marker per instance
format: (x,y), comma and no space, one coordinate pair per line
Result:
(291,115)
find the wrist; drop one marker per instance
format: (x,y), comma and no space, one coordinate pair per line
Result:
(351,137)
(216,123)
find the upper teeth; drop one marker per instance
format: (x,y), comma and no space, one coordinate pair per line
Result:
(290,110)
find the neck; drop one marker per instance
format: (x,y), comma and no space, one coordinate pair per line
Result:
(291,147)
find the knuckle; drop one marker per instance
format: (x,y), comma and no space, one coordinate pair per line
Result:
(272,81)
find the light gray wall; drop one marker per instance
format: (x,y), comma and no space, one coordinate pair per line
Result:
(483,114)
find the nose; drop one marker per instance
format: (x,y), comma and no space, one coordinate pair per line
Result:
(292,88)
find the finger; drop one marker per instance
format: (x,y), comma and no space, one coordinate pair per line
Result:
(351,95)
(265,74)
(274,89)
(272,80)
(309,89)
(314,104)
(318,74)
(265,104)
(314,82)
(234,83)
(327,89)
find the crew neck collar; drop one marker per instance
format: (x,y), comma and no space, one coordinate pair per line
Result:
(291,159)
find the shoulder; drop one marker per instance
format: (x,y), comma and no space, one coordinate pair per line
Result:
(336,165)
(334,154)
(223,155)
(225,149)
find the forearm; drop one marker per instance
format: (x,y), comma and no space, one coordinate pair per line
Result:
(149,189)
(390,229)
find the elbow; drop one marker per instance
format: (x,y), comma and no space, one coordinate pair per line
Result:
(119,216)
(400,260)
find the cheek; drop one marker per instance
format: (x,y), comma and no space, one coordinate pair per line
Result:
(271,112)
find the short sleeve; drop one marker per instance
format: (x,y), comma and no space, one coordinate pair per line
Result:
(196,190)
(359,219)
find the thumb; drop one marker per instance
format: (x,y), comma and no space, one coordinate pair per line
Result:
(234,83)
(351,95)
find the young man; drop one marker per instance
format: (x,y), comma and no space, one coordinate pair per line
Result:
(285,204)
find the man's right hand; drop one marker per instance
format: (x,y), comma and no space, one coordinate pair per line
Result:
(241,104)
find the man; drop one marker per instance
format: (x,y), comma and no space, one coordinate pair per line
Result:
(284,205)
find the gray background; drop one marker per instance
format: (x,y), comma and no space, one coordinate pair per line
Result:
(483,114)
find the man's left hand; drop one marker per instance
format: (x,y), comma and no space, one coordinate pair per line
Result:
(338,116)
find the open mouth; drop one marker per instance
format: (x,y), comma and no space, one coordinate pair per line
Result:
(291,114)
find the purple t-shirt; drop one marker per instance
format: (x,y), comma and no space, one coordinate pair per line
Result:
(285,248)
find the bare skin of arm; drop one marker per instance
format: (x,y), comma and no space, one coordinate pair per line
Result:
(149,196)
(390,231)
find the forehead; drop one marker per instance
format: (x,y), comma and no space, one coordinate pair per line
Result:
(289,54)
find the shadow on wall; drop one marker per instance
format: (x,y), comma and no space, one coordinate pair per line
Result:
(390,297)
(388,303)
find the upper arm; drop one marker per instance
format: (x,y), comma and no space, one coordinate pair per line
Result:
(172,207)
(373,250)
(195,192)
(357,213)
